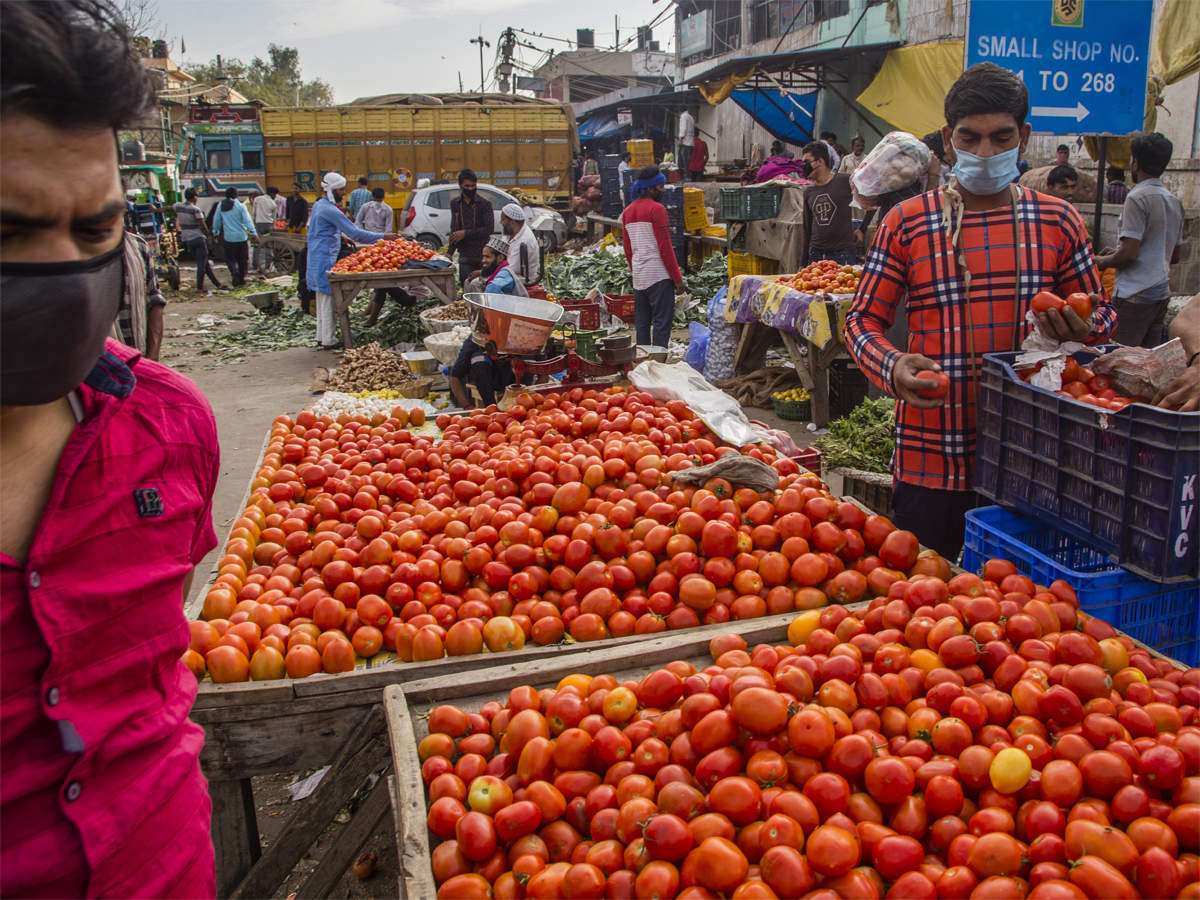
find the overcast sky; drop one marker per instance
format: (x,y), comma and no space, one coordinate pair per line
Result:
(364,47)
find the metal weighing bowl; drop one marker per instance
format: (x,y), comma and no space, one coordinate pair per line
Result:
(516,325)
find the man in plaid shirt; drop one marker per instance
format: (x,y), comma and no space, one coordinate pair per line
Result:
(963,263)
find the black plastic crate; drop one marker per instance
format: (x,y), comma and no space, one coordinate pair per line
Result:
(749,203)
(609,162)
(1124,482)
(611,207)
(673,198)
(847,387)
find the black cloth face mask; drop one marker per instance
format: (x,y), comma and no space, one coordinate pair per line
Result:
(54,317)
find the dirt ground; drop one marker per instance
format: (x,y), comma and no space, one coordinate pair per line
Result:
(247,392)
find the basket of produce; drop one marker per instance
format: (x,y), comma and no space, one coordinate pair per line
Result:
(747,204)
(517,325)
(1116,474)
(794,404)
(444,318)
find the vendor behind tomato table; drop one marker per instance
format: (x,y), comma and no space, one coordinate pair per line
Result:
(963,262)
(490,373)
(108,462)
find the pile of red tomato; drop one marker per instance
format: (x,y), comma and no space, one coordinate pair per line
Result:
(976,738)
(382,256)
(825,275)
(554,520)
(1082,384)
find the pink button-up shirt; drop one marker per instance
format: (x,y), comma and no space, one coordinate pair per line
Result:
(101,793)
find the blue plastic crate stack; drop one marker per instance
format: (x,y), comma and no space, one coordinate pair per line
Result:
(1108,499)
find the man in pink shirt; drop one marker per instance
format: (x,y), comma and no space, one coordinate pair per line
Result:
(107,466)
(647,239)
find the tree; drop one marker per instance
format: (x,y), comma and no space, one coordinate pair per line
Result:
(276,81)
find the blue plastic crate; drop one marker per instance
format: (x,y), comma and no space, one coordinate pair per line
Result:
(1164,616)
(1127,483)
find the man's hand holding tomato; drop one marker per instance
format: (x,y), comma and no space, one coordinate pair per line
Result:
(914,382)
(1065,320)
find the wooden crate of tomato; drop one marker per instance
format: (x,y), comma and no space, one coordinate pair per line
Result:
(683,763)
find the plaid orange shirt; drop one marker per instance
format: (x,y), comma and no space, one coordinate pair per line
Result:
(912,267)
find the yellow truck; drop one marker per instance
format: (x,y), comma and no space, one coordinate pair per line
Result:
(399,141)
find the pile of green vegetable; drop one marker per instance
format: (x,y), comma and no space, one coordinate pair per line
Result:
(571,277)
(703,285)
(292,328)
(862,440)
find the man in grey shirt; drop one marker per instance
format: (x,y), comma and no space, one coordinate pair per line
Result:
(1150,232)
(375,215)
(193,232)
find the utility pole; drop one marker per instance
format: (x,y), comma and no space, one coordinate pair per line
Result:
(482,43)
(460,84)
(616,33)
(506,74)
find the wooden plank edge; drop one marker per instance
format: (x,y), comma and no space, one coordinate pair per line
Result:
(195,603)
(412,838)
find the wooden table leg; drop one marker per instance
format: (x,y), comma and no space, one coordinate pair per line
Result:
(343,320)
(234,832)
(799,360)
(818,367)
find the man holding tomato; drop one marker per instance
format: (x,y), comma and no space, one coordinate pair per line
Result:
(107,466)
(965,262)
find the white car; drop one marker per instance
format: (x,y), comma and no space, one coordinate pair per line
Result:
(426,216)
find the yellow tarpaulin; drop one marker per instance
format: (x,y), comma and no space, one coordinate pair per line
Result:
(718,91)
(911,86)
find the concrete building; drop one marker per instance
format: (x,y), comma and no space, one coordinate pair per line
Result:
(834,48)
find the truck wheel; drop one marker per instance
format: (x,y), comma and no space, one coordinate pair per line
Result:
(430,241)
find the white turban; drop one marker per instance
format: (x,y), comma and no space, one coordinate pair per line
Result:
(514,212)
(331,182)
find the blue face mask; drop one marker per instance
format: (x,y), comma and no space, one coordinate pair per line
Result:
(986,175)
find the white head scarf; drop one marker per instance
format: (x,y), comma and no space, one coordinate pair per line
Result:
(331,182)
(514,212)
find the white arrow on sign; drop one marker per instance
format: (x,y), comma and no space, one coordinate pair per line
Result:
(1078,112)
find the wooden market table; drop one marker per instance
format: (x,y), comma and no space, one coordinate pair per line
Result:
(818,326)
(442,283)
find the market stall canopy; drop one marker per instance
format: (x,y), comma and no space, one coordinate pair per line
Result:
(599,125)
(910,90)
(786,114)
(803,69)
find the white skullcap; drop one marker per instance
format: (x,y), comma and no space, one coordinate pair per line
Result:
(514,212)
(331,182)
(499,244)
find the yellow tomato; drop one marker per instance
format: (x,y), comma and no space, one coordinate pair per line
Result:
(1116,657)
(1010,770)
(803,625)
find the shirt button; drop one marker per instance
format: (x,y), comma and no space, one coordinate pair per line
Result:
(74,790)
(52,696)
(35,580)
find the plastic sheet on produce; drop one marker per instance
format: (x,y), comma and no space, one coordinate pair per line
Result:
(719,411)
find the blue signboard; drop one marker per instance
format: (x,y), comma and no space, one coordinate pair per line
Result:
(1083,61)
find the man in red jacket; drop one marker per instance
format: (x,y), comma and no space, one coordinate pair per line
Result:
(647,240)
(698,161)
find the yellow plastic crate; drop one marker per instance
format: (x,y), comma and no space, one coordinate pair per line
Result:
(749,264)
(694,216)
(641,152)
